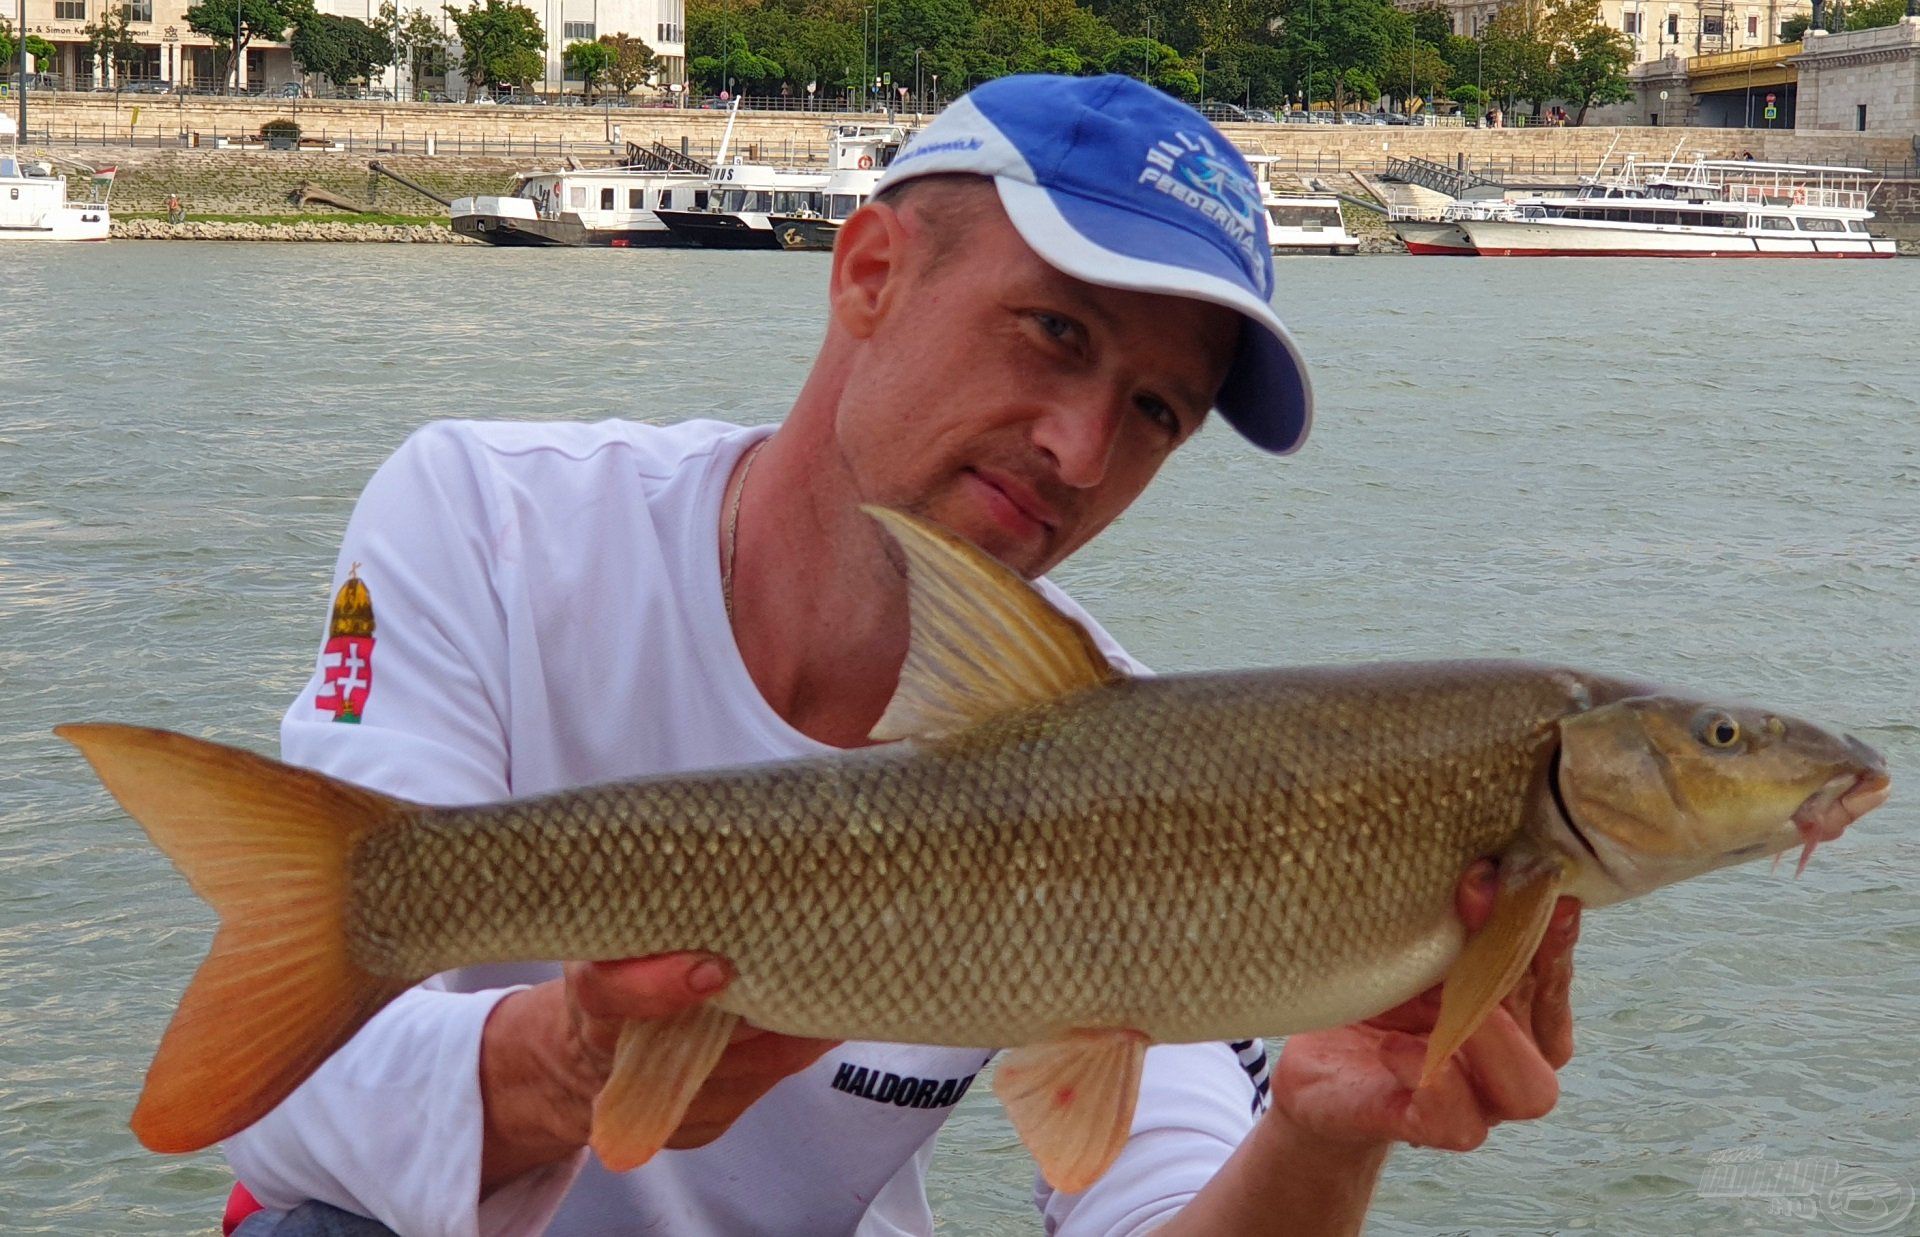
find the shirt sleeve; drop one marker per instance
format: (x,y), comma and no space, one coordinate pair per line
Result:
(391,1126)
(1197,1101)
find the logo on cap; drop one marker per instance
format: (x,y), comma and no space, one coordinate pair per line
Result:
(1190,169)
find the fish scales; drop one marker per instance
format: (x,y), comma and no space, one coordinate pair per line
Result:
(1196,858)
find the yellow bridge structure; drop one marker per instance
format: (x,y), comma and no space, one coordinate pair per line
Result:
(1753,67)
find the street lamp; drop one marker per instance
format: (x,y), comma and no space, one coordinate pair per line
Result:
(811,87)
(916,77)
(936,86)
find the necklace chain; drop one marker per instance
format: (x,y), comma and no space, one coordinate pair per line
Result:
(733,528)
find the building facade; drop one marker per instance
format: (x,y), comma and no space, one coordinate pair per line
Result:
(1659,28)
(173,53)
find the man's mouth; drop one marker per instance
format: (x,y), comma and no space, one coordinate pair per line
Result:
(1014,501)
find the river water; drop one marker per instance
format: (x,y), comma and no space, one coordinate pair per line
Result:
(1704,472)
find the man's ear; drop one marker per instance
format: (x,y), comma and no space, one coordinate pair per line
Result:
(869,266)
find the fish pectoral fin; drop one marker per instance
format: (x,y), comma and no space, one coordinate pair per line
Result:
(1495,956)
(658,1065)
(984,641)
(1071,1101)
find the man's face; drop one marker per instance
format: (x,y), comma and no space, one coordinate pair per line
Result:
(1017,406)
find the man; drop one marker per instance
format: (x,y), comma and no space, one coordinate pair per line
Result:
(1058,281)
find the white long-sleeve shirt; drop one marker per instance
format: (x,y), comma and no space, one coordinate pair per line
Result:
(547,614)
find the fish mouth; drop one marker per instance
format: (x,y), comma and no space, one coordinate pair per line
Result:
(1828,811)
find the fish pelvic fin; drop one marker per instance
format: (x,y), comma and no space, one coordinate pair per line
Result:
(1071,1101)
(658,1065)
(268,846)
(1496,955)
(984,641)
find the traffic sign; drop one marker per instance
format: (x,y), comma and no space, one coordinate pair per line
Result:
(1772,113)
(1769,96)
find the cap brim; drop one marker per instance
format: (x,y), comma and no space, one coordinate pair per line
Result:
(1266,395)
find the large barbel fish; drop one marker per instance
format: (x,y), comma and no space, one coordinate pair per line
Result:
(1059,862)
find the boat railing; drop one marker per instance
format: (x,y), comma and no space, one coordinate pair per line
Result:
(1797,195)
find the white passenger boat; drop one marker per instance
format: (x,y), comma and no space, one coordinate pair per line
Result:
(1438,233)
(1710,208)
(33,199)
(605,207)
(1301,223)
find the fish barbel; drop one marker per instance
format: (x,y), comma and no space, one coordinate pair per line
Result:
(1060,862)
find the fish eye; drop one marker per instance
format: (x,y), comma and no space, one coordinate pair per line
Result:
(1717,730)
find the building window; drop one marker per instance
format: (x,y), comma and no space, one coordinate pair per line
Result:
(69,10)
(1673,26)
(1753,26)
(1713,27)
(139,10)
(579,31)
(1630,22)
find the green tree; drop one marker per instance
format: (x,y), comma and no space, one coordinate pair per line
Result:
(1415,69)
(1347,40)
(41,50)
(589,62)
(1590,59)
(501,43)
(346,50)
(266,20)
(632,62)
(1869,14)
(1519,45)
(418,42)
(111,44)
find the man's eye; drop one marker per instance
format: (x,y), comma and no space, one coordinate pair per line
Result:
(1054,325)
(1160,414)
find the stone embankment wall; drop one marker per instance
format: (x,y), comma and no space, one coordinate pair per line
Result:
(411,234)
(549,132)
(248,182)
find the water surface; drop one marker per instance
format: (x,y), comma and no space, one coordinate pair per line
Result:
(1703,472)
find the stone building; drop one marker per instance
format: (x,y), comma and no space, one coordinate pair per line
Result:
(1659,28)
(171,52)
(1861,80)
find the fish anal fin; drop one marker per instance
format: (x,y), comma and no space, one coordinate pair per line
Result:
(984,641)
(269,846)
(1496,955)
(658,1065)
(1071,1101)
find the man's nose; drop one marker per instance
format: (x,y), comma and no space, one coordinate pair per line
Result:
(1079,437)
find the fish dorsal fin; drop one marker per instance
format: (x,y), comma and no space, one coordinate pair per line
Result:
(984,641)
(1071,1101)
(1495,956)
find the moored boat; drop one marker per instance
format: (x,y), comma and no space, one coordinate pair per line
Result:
(604,207)
(1301,223)
(1710,208)
(857,158)
(33,199)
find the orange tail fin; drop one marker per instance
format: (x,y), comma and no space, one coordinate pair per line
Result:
(267,845)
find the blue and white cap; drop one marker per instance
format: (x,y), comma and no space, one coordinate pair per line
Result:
(1115,183)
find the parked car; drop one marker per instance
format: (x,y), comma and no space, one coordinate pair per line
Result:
(1297,118)
(147,86)
(35,81)
(1262,115)
(1217,111)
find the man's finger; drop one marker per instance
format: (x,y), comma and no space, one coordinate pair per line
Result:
(1513,1081)
(1552,1003)
(645,988)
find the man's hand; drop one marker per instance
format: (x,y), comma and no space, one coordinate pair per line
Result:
(1359,1084)
(1342,1098)
(545,1054)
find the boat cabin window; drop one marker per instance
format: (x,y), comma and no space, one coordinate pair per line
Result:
(8,167)
(606,199)
(1776,223)
(1816,224)
(841,205)
(577,197)
(636,199)
(744,201)
(792,203)
(1856,225)
(699,199)
(1310,218)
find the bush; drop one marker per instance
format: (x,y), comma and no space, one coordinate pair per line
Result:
(282,128)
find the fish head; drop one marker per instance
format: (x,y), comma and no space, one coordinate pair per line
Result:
(1654,789)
